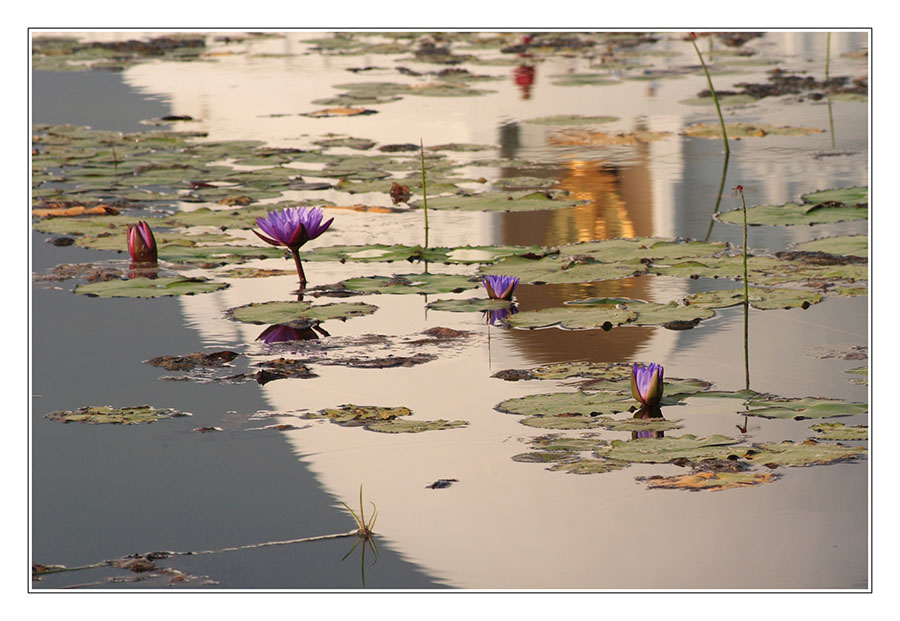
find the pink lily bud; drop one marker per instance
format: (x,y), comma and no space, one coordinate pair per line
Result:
(141,244)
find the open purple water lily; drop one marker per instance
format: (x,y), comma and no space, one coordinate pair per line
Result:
(292,227)
(647,383)
(141,244)
(500,286)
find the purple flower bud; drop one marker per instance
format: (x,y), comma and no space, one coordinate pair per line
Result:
(647,383)
(141,244)
(500,287)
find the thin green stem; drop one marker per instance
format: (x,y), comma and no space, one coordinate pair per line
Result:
(746,298)
(718,197)
(424,191)
(713,91)
(827,55)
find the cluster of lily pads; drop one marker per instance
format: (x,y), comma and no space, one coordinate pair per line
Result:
(716,462)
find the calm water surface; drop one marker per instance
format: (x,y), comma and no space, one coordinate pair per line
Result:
(100,493)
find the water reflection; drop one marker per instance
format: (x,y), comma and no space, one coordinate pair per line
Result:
(293,331)
(498,317)
(648,412)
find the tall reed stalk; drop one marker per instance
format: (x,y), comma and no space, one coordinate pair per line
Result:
(740,190)
(424,191)
(712,90)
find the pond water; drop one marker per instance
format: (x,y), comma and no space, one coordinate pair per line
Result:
(101,492)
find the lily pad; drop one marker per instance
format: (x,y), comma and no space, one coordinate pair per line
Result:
(132,415)
(800,454)
(746,130)
(817,208)
(844,245)
(864,371)
(468,305)
(585,138)
(362,413)
(800,409)
(724,100)
(842,432)
(639,424)
(763,299)
(710,481)
(584,79)
(283,312)
(589,466)
(663,450)
(149,287)
(415,426)
(610,312)
(563,404)
(373,253)
(571,119)
(411,283)
(500,201)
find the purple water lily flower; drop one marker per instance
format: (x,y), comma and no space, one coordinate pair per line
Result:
(292,227)
(141,244)
(500,286)
(647,383)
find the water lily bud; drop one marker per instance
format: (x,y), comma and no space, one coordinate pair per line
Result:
(647,383)
(141,244)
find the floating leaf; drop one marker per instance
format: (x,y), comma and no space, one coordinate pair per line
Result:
(799,409)
(746,130)
(466,305)
(840,431)
(132,415)
(800,454)
(864,371)
(571,119)
(711,481)
(639,424)
(589,466)
(410,283)
(609,312)
(372,253)
(663,450)
(560,404)
(845,245)
(585,138)
(415,426)
(283,312)
(339,111)
(817,208)
(500,201)
(149,287)
(760,298)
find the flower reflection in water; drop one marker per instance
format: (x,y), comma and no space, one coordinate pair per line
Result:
(648,412)
(498,317)
(296,331)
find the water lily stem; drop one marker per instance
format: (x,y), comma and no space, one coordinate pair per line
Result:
(424,191)
(740,189)
(713,91)
(299,265)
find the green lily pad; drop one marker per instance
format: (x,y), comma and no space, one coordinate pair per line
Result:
(361,144)
(864,371)
(571,119)
(282,312)
(822,207)
(384,419)
(746,130)
(96,415)
(468,305)
(639,424)
(800,454)
(593,370)
(500,201)
(663,450)
(609,312)
(799,409)
(375,253)
(564,404)
(710,481)
(410,283)
(562,269)
(415,426)
(583,79)
(763,299)
(843,245)
(589,466)
(462,147)
(561,422)
(840,431)
(149,287)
